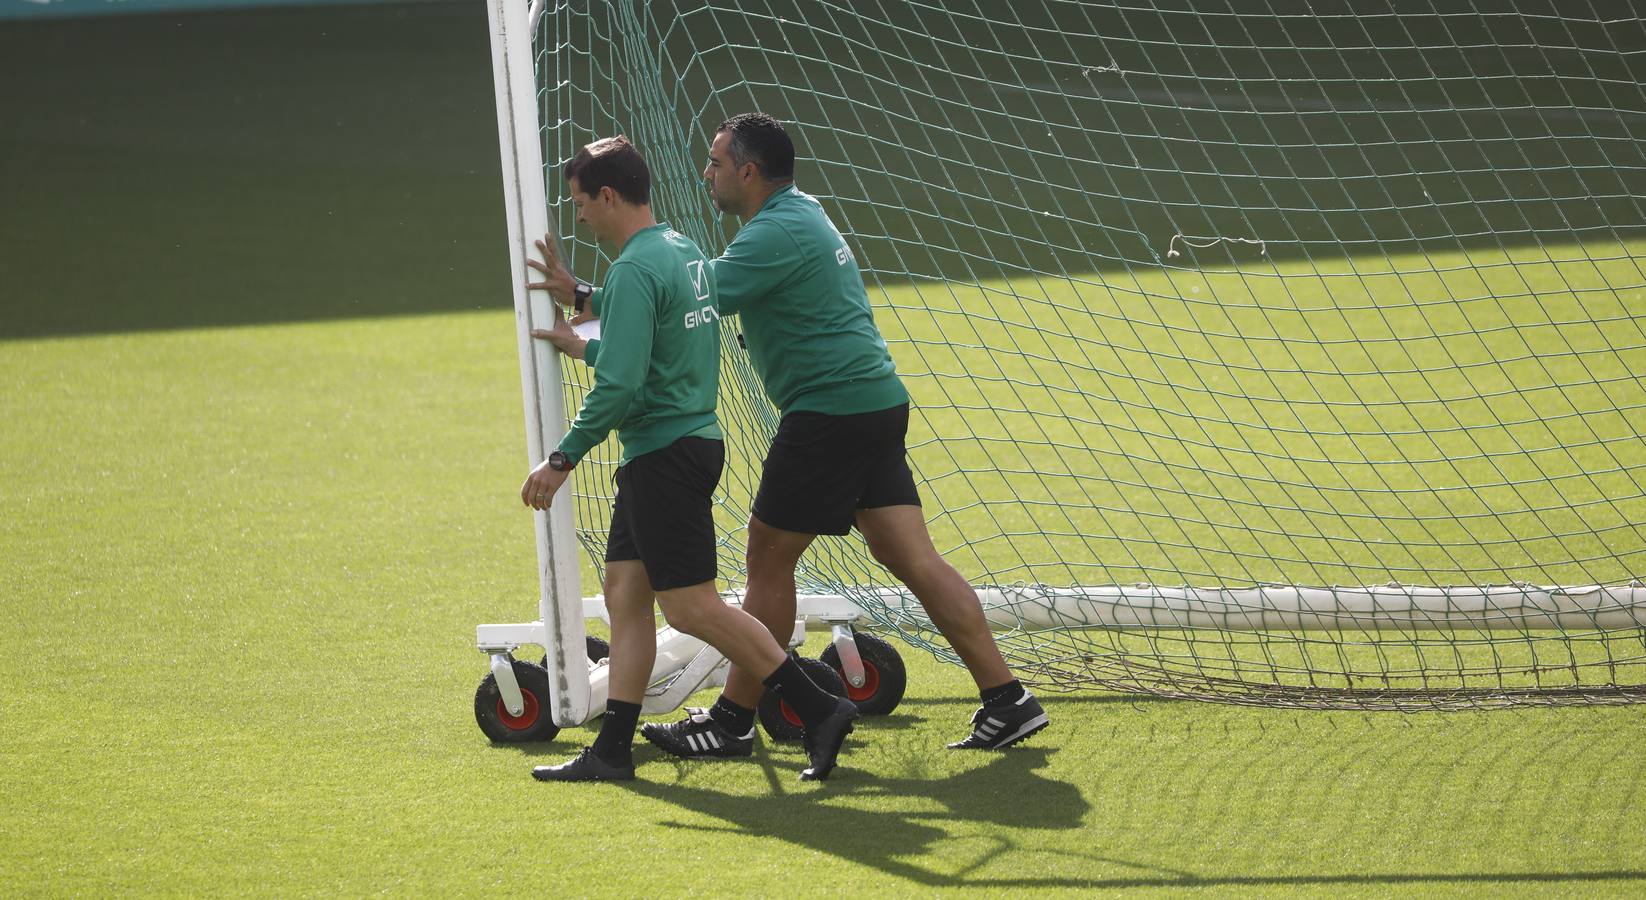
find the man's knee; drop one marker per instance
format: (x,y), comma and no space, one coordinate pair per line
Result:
(885,551)
(906,560)
(898,540)
(627,589)
(683,618)
(773,551)
(690,610)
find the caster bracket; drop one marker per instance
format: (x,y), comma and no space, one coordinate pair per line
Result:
(503,671)
(851,663)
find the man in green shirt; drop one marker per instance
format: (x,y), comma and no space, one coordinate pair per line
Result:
(838,458)
(656,373)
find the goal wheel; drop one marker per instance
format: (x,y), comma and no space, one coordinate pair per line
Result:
(534,722)
(783,723)
(597,648)
(884,677)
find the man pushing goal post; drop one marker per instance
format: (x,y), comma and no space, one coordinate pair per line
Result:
(838,459)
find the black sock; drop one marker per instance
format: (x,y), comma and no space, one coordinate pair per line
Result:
(1004,695)
(791,685)
(615,743)
(738,720)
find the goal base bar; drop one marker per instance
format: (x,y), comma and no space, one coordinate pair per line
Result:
(1389,607)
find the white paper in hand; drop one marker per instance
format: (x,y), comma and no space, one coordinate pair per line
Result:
(588,331)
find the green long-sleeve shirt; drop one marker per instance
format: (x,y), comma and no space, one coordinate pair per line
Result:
(805,313)
(806,317)
(657,361)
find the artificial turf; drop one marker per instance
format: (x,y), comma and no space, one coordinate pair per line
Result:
(260,440)
(242,570)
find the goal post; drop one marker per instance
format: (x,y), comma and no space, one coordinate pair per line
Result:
(560,603)
(1259,355)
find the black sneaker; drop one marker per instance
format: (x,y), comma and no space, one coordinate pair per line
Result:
(998,727)
(823,740)
(698,736)
(584,767)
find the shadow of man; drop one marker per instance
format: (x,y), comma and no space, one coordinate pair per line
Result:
(1008,792)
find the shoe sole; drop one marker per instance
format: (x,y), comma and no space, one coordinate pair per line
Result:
(627,777)
(1029,728)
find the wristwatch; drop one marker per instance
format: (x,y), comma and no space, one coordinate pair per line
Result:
(560,462)
(581,292)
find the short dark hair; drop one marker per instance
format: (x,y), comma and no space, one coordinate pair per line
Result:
(615,163)
(760,139)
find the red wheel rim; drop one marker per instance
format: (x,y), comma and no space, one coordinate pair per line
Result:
(528,714)
(789,715)
(871,684)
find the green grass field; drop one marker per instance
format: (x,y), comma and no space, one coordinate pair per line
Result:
(260,442)
(243,566)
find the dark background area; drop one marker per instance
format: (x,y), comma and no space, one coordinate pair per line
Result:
(210,168)
(217,168)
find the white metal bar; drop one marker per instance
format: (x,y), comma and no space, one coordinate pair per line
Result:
(1391,607)
(560,600)
(507,637)
(687,681)
(503,671)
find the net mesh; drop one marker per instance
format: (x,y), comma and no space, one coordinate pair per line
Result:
(1197,297)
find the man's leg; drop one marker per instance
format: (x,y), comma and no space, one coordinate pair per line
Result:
(699,612)
(898,539)
(630,603)
(772,556)
(633,650)
(726,729)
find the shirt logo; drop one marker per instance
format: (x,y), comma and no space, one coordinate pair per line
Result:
(700,279)
(705,316)
(842,255)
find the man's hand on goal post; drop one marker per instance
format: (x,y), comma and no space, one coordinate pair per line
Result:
(560,284)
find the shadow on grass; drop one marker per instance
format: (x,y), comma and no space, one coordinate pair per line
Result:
(1007,794)
(896,841)
(892,840)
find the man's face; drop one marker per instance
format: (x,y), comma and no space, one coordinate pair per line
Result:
(594,210)
(726,186)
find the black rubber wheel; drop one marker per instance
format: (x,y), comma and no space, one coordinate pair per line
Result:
(884,675)
(534,722)
(781,722)
(597,648)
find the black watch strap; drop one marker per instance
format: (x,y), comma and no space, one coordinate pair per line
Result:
(560,462)
(581,293)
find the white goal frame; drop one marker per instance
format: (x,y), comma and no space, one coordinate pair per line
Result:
(578,686)
(560,604)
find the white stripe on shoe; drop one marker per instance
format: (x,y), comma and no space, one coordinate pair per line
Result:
(1029,727)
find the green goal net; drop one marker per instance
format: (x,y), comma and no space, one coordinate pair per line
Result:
(1290,356)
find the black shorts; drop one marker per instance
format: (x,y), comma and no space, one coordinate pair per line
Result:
(662,512)
(823,468)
